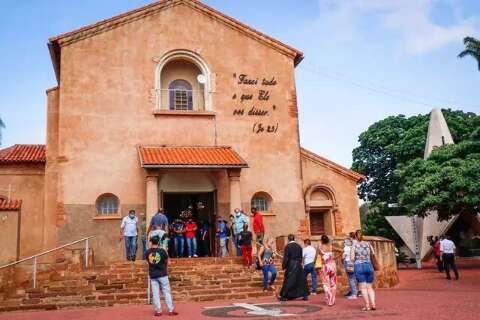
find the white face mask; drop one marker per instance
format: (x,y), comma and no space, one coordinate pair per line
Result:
(131,216)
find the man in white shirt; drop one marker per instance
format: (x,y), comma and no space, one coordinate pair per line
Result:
(447,251)
(129,232)
(309,254)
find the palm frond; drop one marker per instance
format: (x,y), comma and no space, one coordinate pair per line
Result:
(2,124)
(467,52)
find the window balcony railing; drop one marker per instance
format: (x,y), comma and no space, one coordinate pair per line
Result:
(180,99)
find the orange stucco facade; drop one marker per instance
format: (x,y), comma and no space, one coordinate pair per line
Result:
(113,96)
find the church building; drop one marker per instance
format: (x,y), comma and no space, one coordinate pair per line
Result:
(177,106)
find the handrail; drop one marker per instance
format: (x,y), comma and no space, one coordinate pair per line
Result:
(45,252)
(34,257)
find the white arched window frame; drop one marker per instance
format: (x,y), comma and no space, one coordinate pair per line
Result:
(188,56)
(107,204)
(262,201)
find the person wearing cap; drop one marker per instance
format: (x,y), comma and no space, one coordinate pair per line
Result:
(222,237)
(240,220)
(129,233)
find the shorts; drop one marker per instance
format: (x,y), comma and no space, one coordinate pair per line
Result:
(364,272)
(260,236)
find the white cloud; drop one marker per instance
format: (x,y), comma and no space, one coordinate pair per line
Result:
(410,22)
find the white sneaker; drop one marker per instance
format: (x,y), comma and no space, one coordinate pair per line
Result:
(189,256)
(352,297)
(195,256)
(314,293)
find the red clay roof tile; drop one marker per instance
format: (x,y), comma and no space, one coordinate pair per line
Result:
(10,205)
(185,157)
(23,153)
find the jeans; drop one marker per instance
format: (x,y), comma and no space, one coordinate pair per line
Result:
(144,245)
(352,282)
(179,243)
(163,282)
(265,270)
(205,243)
(310,268)
(449,262)
(192,246)
(222,242)
(130,247)
(364,272)
(236,242)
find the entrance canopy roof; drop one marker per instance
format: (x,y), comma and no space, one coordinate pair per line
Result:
(167,157)
(10,205)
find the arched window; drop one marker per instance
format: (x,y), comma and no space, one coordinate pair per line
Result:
(180,92)
(107,204)
(261,201)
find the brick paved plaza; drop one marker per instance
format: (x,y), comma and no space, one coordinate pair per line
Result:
(421,294)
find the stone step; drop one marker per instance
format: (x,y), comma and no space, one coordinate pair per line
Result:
(202,279)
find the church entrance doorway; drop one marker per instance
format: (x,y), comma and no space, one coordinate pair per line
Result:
(200,207)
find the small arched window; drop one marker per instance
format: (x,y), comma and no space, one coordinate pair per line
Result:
(180,93)
(261,201)
(107,204)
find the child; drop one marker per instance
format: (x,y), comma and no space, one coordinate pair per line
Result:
(245,240)
(157,259)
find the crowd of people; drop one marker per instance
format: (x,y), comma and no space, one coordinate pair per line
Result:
(319,262)
(168,239)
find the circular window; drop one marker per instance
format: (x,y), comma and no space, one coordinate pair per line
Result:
(107,204)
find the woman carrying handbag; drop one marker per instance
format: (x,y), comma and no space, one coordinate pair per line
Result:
(362,255)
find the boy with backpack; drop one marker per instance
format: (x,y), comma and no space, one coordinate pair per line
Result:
(245,241)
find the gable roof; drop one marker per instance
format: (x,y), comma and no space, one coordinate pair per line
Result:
(190,157)
(90,30)
(23,153)
(332,165)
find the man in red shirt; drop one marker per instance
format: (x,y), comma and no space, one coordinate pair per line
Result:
(258,227)
(191,235)
(438,254)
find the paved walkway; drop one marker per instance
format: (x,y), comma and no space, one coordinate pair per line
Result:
(421,294)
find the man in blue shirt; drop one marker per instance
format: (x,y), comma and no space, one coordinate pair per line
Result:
(239,222)
(222,237)
(159,219)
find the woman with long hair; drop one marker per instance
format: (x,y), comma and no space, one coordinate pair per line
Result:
(328,272)
(265,259)
(364,272)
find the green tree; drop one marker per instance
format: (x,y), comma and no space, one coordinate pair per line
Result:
(388,145)
(448,181)
(472,49)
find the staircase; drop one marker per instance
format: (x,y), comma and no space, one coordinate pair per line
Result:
(197,279)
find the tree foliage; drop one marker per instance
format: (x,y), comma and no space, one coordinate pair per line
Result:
(472,49)
(448,181)
(391,144)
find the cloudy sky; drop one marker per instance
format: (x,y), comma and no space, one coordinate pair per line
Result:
(364,59)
